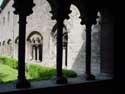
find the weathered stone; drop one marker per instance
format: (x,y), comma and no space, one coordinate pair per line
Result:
(39,26)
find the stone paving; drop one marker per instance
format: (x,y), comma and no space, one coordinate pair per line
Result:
(51,84)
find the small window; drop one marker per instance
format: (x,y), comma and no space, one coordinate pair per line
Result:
(8,16)
(3,20)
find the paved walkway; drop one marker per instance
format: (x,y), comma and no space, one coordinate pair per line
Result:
(49,84)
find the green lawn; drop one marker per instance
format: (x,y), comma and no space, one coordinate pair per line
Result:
(35,73)
(7,74)
(9,67)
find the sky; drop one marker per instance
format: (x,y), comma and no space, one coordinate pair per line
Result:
(1,1)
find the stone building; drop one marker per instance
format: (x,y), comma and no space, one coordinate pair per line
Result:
(41,37)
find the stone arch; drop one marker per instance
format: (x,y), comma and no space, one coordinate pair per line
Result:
(35,46)
(4,47)
(76,40)
(9,47)
(34,33)
(17,39)
(81,6)
(54,31)
(16,46)
(3,43)
(9,41)
(65,39)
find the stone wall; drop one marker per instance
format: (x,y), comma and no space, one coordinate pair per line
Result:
(40,21)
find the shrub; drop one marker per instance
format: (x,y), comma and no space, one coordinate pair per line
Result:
(39,72)
(9,61)
(69,73)
(44,73)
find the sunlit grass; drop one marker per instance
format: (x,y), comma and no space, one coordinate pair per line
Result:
(35,73)
(7,74)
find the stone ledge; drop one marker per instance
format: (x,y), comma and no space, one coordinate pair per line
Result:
(50,85)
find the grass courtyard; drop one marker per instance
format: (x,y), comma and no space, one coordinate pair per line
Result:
(8,71)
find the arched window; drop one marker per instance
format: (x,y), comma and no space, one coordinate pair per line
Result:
(3,20)
(16,47)
(8,16)
(35,46)
(3,48)
(9,47)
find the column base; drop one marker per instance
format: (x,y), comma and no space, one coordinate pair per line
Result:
(60,80)
(22,83)
(89,77)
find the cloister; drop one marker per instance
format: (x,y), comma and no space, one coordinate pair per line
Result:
(60,10)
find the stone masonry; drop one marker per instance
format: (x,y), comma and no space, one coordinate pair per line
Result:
(40,46)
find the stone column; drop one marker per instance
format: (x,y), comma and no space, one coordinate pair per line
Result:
(60,24)
(89,18)
(30,52)
(23,8)
(38,54)
(22,82)
(60,11)
(60,78)
(88,74)
(33,53)
(27,52)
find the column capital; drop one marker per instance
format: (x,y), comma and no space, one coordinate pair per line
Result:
(60,9)
(23,7)
(88,11)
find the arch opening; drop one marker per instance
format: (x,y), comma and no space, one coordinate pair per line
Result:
(35,47)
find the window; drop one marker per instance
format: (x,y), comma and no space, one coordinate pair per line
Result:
(8,16)
(3,20)
(35,46)
(36,49)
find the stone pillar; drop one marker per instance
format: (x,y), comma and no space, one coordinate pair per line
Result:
(23,8)
(60,78)
(33,53)
(88,17)
(22,82)
(88,74)
(30,52)
(60,11)
(58,14)
(66,50)
(27,52)
(38,53)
